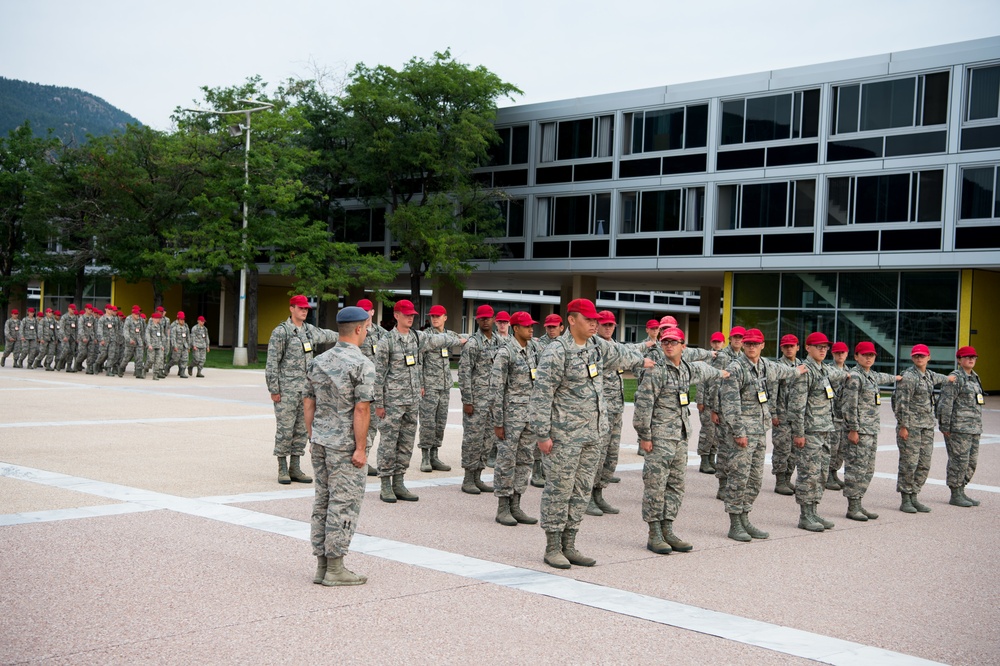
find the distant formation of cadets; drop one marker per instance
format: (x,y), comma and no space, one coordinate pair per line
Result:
(552,409)
(92,342)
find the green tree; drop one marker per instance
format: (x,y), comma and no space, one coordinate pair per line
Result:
(415,137)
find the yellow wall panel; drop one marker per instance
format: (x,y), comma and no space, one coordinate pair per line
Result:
(983,330)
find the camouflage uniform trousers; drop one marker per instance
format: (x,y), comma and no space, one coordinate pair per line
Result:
(340,487)
(197,358)
(724,450)
(47,354)
(813,463)
(707,439)
(478,437)
(67,354)
(433,417)
(663,479)
(154,360)
(86,351)
(29,351)
(373,428)
(914,459)
(178,358)
(131,353)
(859,465)
(784,452)
(514,458)
(106,357)
(746,474)
(290,434)
(963,454)
(838,446)
(609,452)
(399,430)
(569,478)
(12,348)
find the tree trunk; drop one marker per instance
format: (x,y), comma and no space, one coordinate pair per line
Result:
(81,283)
(253,275)
(415,287)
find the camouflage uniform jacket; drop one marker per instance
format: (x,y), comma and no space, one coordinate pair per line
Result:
(747,412)
(133,329)
(180,336)
(960,408)
(511,381)
(838,400)
(437,367)
(860,399)
(289,351)
(11,330)
(913,402)
(569,389)
(48,328)
(29,328)
(156,335)
(67,327)
(87,330)
(398,379)
(107,328)
(810,398)
(708,393)
(338,379)
(614,387)
(782,390)
(662,409)
(199,337)
(474,368)
(375,335)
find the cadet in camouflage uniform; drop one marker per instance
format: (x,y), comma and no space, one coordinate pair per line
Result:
(783,455)
(29,340)
(569,420)
(289,350)
(398,384)
(723,439)
(708,446)
(180,344)
(200,346)
(157,337)
(474,382)
(58,342)
(745,401)
(107,336)
(960,417)
(839,443)
(553,327)
(511,379)
(87,346)
(339,388)
(810,414)
(375,335)
(135,344)
(913,405)
(860,401)
(11,337)
(661,420)
(434,403)
(48,335)
(67,334)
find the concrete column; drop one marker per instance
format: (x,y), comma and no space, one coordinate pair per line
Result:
(577,286)
(451,297)
(709,315)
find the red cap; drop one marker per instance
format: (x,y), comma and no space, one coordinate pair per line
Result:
(58,313)
(718,336)
(920,349)
(366,305)
(201,318)
(436,310)
(864,348)
(964,352)
(109,306)
(521,319)
(754,335)
(48,310)
(653,323)
(180,314)
(668,321)
(816,338)
(14,311)
(136,309)
(160,308)
(503,316)
(553,320)
(404,307)
(839,347)
(121,314)
(788,340)
(72,307)
(737,330)
(142,316)
(582,306)
(157,315)
(672,333)
(484,312)
(298,301)
(606,317)
(88,306)
(31,310)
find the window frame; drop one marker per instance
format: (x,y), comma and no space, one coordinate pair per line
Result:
(919,105)
(791,199)
(913,200)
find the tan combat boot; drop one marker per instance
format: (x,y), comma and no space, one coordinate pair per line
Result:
(283,477)
(337,574)
(295,472)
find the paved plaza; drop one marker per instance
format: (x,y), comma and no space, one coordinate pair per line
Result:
(141,522)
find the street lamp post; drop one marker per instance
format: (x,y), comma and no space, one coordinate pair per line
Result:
(239,348)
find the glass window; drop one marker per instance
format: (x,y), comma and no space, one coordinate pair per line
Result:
(660,211)
(575,140)
(880,105)
(756,290)
(883,199)
(601,221)
(937,330)
(630,208)
(572,216)
(935,99)
(808,290)
(929,291)
(728,204)
(764,319)
(732,122)
(663,130)
(983,99)
(869,291)
(768,118)
(886,104)
(519,145)
(696,129)
(930,196)
(879,328)
(804,206)
(978,198)
(801,323)
(764,205)
(839,207)
(694,214)
(846,99)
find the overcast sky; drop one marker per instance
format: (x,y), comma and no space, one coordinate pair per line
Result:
(149,57)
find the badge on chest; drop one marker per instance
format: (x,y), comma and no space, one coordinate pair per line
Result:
(410,359)
(592,370)
(444,353)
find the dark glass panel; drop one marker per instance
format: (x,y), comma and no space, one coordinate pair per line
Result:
(978,138)
(851,241)
(602,214)
(846,103)
(977,238)
(515,218)
(551,250)
(936,92)
(886,104)
(582,249)
(636,133)
(755,290)
(663,130)
(500,152)
(572,215)
(929,291)
(788,244)
(510,178)
(519,147)
(696,131)
(916,144)
(357,226)
(805,203)
(726,217)
(764,205)
(786,155)
(801,323)
(576,139)
(732,122)
(839,206)
(685,164)
(810,114)
(869,290)
(808,290)
(977,193)
(768,118)
(594,171)
(484,178)
(741,244)
(937,330)
(856,149)
(681,247)
(910,239)
(740,159)
(558,174)
(984,92)
(635,247)
(879,328)
(378,224)
(660,211)
(882,199)
(639,168)
(931,196)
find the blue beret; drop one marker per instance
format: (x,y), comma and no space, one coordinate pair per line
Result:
(351,314)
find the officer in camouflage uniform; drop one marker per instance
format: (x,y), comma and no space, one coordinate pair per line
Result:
(135,344)
(511,378)
(838,445)
(661,419)
(339,388)
(200,346)
(58,342)
(553,327)
(783,454)
(434,403)
(289,350)
(723,438)
(87,346)
(810,415)
(860,400)
(375,335)
(29,340)
(67,334)
(708,446)
(960,417)
(745,399)
(180,345)
(48,335)
(157,337)
(569,420)
(474,382)
(398,384)
(913,405)
(107,336)
(11,337)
